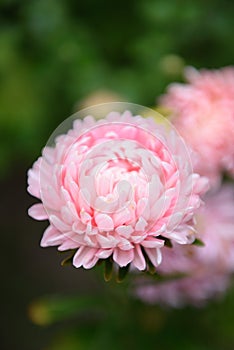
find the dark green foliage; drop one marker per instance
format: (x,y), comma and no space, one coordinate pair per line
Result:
(116,321)
(55,53)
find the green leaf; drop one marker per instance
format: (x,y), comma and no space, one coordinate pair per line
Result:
(168,277)
(48,310)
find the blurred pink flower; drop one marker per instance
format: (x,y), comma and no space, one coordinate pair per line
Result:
(203,113)
(207,269)
(115,188)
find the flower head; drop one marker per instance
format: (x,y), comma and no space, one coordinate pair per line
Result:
(203,112)
(116,187)
(194,273)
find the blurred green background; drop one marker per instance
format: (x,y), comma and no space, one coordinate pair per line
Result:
(57,56)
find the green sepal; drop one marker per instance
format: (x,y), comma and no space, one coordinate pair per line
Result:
(122,273)
(198,242)
(151,268)
(167,243)
(108,269)
(68,260)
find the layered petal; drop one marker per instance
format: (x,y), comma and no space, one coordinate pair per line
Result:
(110,187)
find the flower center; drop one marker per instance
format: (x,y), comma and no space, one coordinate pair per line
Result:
(121,180)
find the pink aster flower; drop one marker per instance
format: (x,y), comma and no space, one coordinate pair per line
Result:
(115,187)
(195,274)
(203,112)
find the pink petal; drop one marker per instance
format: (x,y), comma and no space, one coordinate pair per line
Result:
(155,188)
(141,224)
(154,255)
(122,217)
(89,241)
(124,244)
(123,257)
(72,170)
(160,206)
(107,242)
(49,154)
(73,190)
(84,257)
(139,260)
(138,238)
(65,195)
(105,185)
(174,221)
(51,198)
(125,230)
(85,199)
(85,217)
(180,237)
(125,192)
(169,169)
(37,211)
(67,216)
(200,184)
(59,224)
(152,242)
(72,209)
(34,179)
(146,164)
(34,190)
(71,236)
(79,227)
(173,179)
(104,222)
(68,244)
(104,253)
(91,263)
(103,206)
(141,205)
(51,237)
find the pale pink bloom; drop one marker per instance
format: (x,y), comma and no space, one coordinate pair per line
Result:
(113,188)
(203,113)
(199,272)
